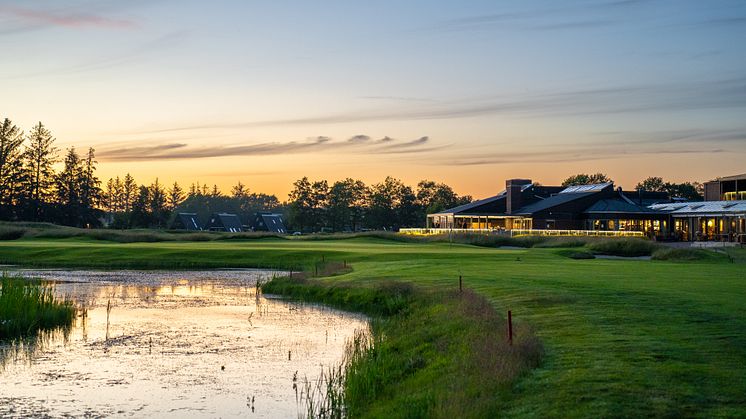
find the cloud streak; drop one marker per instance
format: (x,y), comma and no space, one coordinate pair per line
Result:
(132,55)
(34,17)
(703,95)
(176,151)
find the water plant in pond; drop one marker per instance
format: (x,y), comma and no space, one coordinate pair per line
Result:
(28,306)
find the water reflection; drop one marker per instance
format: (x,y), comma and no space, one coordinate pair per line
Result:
(178,344)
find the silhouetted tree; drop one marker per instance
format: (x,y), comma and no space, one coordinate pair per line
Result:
(40,155)
(68,190)
(434,197)
(346,203)
(12,173)
(583,179)
(300,204)
(175,197)
(687,190)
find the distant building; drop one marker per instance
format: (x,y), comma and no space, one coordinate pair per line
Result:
(729,188)
(267,221)
(186,221)
(526,206)
(225,222)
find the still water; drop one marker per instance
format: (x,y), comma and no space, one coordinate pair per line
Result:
(176,344)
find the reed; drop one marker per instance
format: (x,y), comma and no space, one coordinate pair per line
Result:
(28,306)
(420,345)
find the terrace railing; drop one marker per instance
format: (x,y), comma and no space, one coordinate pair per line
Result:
(519,232)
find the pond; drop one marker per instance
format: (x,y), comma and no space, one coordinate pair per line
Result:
(173,344)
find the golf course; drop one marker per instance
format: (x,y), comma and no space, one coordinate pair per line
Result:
(619,337)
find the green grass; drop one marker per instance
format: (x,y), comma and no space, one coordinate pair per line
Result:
(29,306)
(621,338)
(423,342)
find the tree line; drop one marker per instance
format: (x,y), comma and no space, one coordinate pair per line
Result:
(30,189)
(155,206)
(350,205)
(690,191)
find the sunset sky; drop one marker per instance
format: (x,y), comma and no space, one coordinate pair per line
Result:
(464,92)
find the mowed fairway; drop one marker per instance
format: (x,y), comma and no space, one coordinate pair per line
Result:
(622,338)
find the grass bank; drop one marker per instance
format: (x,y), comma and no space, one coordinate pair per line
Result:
(29,306)
(439,353)
(621,337)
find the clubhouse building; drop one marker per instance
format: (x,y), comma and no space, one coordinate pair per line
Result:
(602,210)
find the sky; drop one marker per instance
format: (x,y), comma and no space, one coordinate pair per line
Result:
(469,93)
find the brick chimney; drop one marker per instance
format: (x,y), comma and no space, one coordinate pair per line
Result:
(513,189)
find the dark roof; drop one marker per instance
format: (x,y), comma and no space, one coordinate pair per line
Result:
(227,222)
(734,177)
(274,223)
(593,187)
(188,221)
(552,201)
(473,204)
(618,205)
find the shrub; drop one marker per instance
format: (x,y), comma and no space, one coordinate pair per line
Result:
(11,233)
(623,247)
(580,255)
(670,253)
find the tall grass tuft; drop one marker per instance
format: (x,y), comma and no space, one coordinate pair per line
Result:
(30,306)
(11,233)
(624,247)
(440,353)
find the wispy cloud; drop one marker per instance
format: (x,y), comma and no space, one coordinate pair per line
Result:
(25,17)
(132,55)
(664,97)
(551,18)
(564,155)
(172,151)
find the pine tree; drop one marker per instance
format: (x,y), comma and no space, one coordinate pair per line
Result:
(90,185)
(157,207)
(175,196)
(12,173)
(40,155)
(130,193)
(68,189)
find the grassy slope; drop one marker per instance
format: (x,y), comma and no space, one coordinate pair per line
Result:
(622,337)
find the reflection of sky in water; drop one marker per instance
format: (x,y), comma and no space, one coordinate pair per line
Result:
(171,334)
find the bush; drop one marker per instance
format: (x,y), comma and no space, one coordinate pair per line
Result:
(624,247)
(580,255)
(11,233)
(553,242)
(670,253)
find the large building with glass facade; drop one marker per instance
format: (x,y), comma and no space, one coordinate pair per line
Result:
(729,188)
(531,208)
(524,205)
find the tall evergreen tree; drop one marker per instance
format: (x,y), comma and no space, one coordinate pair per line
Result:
(90,185)
(129,192)
(12,173)
(157,204)
(40,155)
(175,196)
(140,211)
(68,190)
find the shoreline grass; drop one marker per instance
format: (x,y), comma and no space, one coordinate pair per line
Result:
(440,353)
(28,306)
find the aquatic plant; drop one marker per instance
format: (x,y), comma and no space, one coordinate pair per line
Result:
(27,306)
